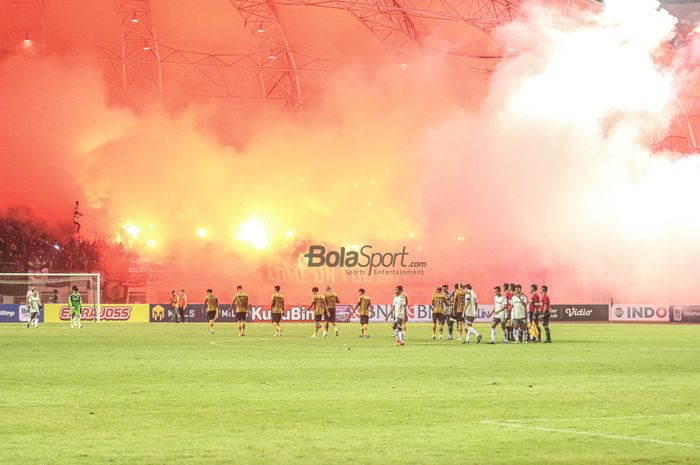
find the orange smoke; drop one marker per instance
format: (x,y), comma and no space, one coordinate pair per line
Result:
(548,179)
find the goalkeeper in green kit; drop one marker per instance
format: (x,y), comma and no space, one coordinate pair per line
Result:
(76,306)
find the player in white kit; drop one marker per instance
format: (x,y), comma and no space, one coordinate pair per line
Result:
(397,313)
(471,306)
(518,304)
(33,303)
(499,315)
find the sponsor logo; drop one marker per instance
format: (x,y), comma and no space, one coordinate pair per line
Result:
(484,313)
(420,313)
(639,312)
(15,313)
(410,312)
(24,314)
(107,313)
(363,260)
(685,313)
(158,313)
(580,312)
(163,313)
(132,313)
(295,313)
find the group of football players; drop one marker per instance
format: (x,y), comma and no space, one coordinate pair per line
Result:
(518,316)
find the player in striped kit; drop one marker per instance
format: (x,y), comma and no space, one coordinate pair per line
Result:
(240,306)
(277,310)
(318,304)
(364,305)
(438,303)
(458,299)
(211,309)
(449,310)
(331,300)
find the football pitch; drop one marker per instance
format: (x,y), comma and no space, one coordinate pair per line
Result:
(173,394)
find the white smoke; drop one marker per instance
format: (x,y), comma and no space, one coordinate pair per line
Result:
(556,172)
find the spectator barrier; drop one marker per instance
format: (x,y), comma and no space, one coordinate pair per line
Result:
(16,314)
(418,313)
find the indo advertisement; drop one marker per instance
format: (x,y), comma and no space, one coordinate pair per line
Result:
(132,313)
(579,312)
(639,312)
(684,313)
(17,314)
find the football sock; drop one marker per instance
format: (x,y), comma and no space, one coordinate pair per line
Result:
(493,334)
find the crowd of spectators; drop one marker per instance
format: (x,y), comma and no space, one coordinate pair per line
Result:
(27,247)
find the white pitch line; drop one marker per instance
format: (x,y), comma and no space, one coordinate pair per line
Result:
(591,434)
(631,417)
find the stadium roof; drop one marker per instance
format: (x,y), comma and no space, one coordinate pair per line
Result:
(273,51)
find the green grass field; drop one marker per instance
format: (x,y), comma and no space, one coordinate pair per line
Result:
(172,394)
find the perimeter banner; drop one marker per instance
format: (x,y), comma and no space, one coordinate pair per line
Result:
(579,312)
(163,313)
(639,312)
(684,313)
(379,312)
(17,314)
(131,313)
